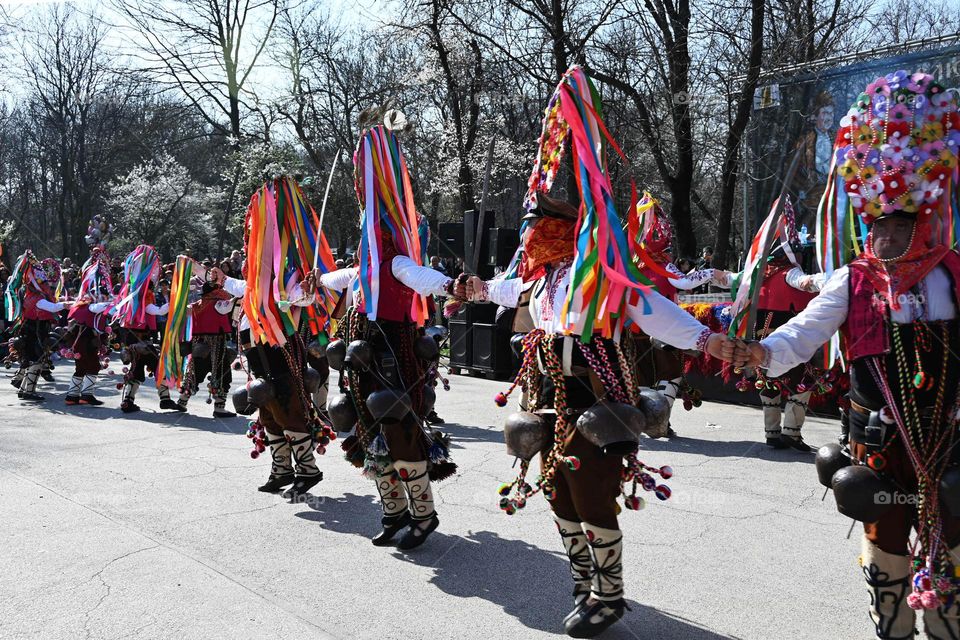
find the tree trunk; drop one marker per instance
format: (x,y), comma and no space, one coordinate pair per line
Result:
(731,161)
(226,213)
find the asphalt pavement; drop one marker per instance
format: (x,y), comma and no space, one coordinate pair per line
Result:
(149,526)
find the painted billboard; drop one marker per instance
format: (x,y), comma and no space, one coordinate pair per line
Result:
(800,113)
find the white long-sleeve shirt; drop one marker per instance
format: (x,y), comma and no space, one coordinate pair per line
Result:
(796,341)
(50,307)
(692,280)
(237,288)
(796,278)
(426,281)
(666,321)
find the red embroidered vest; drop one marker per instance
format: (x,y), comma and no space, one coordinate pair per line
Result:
(865,331)
(82,315)
(208,321)
(777,295)
(396,298)
(30,310)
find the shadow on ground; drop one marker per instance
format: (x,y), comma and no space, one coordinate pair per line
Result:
(726,449)
(531,584)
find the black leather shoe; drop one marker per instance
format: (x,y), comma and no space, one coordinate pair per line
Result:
(167,404)
(221,413)
(46,375)
(275,483)
(595,618)
(301,485)
(88,398)
(796,443)
(30,396)
(417,535)
(580,599)
(392,525)
(776,442)
(128,406)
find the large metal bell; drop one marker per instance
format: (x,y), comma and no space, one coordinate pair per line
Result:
(241,403)
(230,354)
(526,435)
(342,413)
(336,352)
(311,380)
(861,493)
(388,404)
(438,332)
(201,350)
(314,350)
(830,459)
(950,490)
(429,399)
(51,341)
(260,392)
(656,413)
(126,357)
(516,344)
(615,427)
(360,355)
(426,348)
(141,348)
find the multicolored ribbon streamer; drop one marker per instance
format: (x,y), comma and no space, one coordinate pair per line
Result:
(753,268)
(15,285)
(179,328)
(282,235)
(604,274)
(141,266)
(388,214)
(96,283)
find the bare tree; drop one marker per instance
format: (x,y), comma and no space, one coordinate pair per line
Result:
(207,50)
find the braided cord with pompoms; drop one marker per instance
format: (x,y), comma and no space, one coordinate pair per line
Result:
(629,380)
(528,365)
(544,344)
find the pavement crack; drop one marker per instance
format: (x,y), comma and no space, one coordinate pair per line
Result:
(107,588)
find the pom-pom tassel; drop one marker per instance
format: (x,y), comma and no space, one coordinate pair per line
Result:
(378,446)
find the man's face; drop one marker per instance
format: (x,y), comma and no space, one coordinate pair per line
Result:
(891,237)
(825,119)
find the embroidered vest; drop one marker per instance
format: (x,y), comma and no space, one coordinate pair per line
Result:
(865,331)
(777,295)
(30,309)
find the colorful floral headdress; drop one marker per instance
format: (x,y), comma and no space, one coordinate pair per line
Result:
(389,223)
(603,275)
(895,153)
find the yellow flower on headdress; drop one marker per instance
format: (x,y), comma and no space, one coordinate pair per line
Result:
(931,132)
(909,205)
(848,169)
(868,173)
(873,208)
(863,134)
(947,159)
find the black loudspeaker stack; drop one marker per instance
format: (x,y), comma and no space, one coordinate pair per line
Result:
(448,242)
(503,244)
